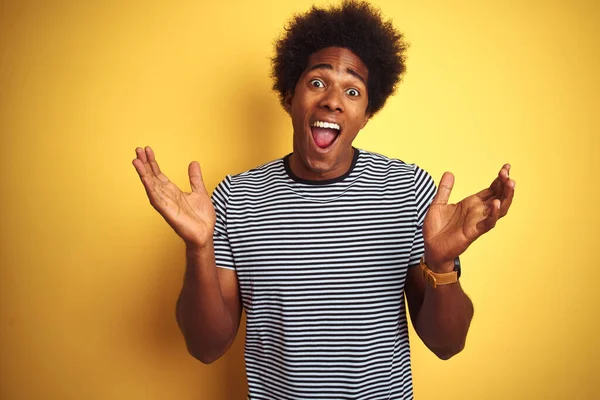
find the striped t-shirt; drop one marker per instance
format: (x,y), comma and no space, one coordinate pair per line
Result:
(321,267)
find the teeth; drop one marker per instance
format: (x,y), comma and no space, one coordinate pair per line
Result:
(330,125)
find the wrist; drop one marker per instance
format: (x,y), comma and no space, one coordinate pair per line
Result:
(439,267)
(441,275)
(200,260)
(199,249)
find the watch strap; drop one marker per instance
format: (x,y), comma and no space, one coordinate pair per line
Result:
(437,278)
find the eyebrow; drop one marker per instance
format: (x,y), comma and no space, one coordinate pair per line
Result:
(348,70)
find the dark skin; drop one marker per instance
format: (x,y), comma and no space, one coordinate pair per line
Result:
(331,89)
(209,308)
(442,315)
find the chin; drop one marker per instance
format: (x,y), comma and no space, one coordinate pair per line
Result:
(320,162)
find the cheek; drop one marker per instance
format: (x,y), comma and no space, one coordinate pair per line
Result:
(358,119)
(300,111)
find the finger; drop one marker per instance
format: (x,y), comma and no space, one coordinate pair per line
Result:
(507,197)
(487,193)
(493,213)
(498,184)
(196,181)
(146,175)
(444,189)
(154,165)
(496,187)
(140,167)
(141,154)
(503,174)
(147,178)
(152,160)
(152,184)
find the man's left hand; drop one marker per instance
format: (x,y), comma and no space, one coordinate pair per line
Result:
(449,229)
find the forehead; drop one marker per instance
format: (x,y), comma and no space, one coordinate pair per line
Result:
(341,59)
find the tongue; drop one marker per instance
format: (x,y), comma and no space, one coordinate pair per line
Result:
(324,137)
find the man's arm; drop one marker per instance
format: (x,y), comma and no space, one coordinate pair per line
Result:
(441,316)
(209,308)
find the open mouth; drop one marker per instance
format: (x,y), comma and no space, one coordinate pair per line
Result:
(324,133)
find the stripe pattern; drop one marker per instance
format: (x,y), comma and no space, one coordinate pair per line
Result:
(321,268)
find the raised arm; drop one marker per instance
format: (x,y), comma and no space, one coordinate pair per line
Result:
(208,309)
(442,315)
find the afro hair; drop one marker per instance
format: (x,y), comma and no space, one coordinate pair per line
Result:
(354,25)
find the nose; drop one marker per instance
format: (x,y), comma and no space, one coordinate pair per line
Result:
(332,100)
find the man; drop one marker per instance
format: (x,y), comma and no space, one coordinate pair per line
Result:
(321,247)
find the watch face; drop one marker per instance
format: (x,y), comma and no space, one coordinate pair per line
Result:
(457,266)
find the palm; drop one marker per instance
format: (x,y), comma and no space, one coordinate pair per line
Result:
(191,215)
(449,229)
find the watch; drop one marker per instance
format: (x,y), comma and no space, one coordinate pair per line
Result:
(444,278)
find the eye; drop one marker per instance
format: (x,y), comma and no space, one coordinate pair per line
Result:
(353,92)
(317,83)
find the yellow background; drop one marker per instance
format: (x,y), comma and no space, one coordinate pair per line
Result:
(90,272)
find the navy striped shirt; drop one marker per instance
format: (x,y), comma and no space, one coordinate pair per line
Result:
(321,267)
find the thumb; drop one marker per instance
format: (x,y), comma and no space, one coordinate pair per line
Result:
(196,181)
(444,189)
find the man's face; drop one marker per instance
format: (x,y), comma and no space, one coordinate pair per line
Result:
(328,108)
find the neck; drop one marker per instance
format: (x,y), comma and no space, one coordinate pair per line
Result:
(336,169)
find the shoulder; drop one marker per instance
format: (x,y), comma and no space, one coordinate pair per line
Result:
(253,180)
(264,173)
(393,168)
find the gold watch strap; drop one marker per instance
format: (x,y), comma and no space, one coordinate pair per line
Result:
(434,279)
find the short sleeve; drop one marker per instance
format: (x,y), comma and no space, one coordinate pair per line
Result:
(424,189)
(220,200)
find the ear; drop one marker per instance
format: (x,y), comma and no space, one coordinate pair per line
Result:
(287,101)
(367,117)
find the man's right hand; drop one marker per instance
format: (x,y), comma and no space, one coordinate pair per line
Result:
(191,215)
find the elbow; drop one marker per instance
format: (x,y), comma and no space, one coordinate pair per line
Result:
(205,360)
(207,351)
(448,352)
(205,357)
